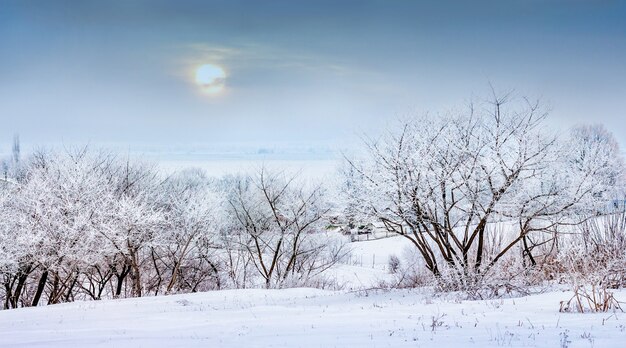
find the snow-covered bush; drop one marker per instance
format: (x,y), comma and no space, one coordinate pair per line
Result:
(408,271)
(393,264)
(592,261)
(591,298)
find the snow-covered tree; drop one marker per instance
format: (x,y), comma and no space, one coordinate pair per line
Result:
(193,212)
(594,149)
(440,181)
(54,215)
(280,225)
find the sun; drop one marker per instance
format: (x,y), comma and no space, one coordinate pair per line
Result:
(210,78)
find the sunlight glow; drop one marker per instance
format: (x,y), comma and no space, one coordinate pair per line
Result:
(210,78)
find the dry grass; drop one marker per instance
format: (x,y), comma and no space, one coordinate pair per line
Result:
(596,299)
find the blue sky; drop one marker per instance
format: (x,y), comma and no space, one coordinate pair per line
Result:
(304,72)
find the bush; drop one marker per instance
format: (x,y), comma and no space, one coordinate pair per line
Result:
(393,264)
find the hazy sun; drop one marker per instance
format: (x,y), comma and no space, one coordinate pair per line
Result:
(210,78)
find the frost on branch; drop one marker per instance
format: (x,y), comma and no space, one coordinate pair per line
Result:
(443,182)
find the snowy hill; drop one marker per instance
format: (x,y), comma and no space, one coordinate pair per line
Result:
(310,318)
(315,318)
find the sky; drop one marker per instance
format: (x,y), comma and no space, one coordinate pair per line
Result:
(312,73)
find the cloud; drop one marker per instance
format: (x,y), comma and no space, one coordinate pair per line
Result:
(260,56)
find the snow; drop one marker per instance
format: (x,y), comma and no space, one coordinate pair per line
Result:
(311,318)
(316,318)
(367,265)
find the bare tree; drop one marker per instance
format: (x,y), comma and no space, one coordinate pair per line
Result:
(282,223)
(440,181)
(193,217)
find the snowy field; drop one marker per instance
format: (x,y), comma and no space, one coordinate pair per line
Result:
(316,318)
(311,318)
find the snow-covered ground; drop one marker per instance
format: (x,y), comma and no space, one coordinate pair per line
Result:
(316,318)
(367,265)
(311,318)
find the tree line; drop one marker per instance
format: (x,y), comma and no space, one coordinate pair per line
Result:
(82,224)
(488,197)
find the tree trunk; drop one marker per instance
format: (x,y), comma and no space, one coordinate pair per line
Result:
(158,272)
(55,288)
(68,294)
(175,271)
(21,280)
(528,252)
(9,281)
(120,280)
(135,274)
(40,287)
